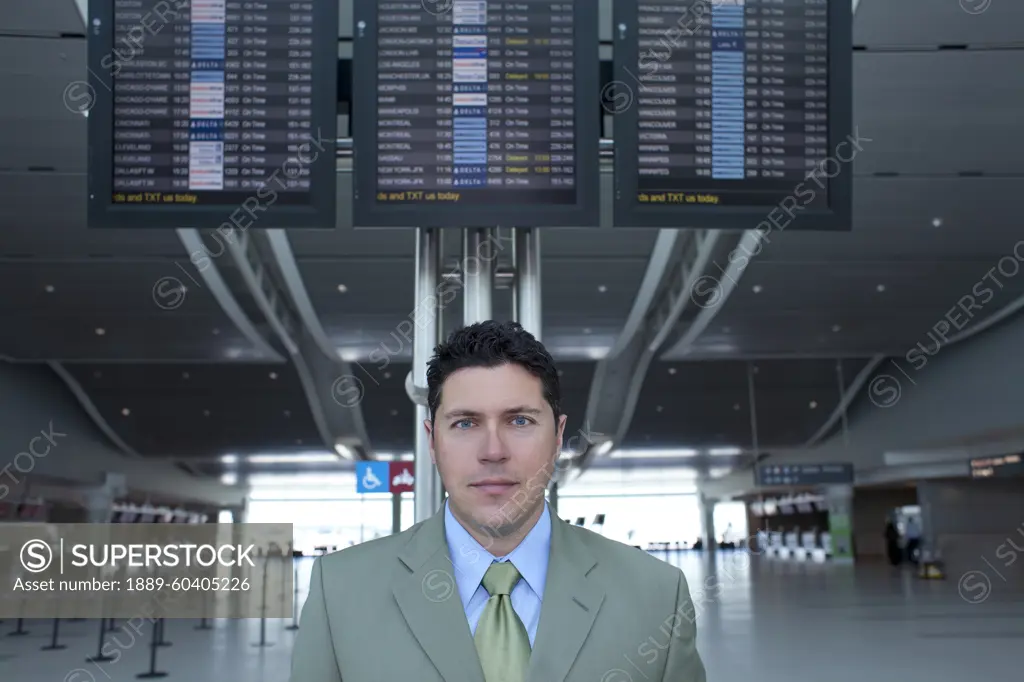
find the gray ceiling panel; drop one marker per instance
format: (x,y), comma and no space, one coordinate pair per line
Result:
(911,23)
(352,243)
(852,287)
(795,334)
(37,129)
(921,111)
(42,17)
(606,286)
(373,286)
(602,243)
(205,410)
(707,404)
(158,337)
(43,215)
(99,287)
(894,219)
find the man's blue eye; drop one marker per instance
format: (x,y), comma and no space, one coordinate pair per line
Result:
(462,421)
(525,421)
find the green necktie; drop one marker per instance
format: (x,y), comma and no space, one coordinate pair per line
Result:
(501,638)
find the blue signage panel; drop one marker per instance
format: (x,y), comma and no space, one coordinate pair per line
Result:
(373,477)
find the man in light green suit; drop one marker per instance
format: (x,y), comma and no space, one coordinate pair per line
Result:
(494,587)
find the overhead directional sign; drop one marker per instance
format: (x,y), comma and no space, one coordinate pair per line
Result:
(805,474)
(1002,466)
(385,477)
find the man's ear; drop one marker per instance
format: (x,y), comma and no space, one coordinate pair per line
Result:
(429,428)
(560,433)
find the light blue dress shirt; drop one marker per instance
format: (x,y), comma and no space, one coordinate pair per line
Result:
(471,561)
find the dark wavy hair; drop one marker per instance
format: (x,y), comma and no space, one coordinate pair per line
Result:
(492,344)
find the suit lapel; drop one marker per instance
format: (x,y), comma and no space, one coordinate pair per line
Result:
(429,600)
(571,602)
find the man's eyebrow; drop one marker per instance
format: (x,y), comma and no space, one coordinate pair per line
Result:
(460,413)
(519,409)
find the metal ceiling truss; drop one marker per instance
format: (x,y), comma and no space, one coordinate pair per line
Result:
(210,273)
(328,362)
(722,270)
(339,422)
(849,395)
(90,408)
(679,261)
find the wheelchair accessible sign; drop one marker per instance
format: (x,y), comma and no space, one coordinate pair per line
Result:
(384,477)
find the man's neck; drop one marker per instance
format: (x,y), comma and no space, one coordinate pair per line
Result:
(503,546)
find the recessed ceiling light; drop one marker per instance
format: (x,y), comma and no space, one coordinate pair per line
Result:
(100,331)
(836,328)
(216,331)
(50,288)
(298,441)
(561,372)
(671,370)
(736,406)
(97,374)
(602,288)
(287,413)
(185,375)
(880,288)
(658,408)
(342,288)
(387,375)
(394,413)
(758,288)
(206,413)
(936,222)
(586,330)
(814,404)
(125,411)
(726,330)
(273,375)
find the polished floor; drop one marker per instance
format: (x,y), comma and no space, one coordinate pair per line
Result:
(758,619)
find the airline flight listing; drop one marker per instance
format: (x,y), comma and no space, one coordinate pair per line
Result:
(212,100)
(476,104)
(732,100)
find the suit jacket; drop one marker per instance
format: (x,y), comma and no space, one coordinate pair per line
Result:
(389,610)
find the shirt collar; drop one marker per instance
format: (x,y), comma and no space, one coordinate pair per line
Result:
(471,560)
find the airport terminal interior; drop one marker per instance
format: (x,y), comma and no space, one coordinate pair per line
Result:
(773,247)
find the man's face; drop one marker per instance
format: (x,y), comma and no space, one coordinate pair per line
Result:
(495,441)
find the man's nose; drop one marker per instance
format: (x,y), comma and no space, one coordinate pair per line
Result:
(493,449)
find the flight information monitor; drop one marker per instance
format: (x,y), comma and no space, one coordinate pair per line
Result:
(733,114)
(476,113)
(212,112)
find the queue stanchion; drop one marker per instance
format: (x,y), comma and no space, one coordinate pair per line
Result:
(55,645)
(20,631)
(263,607)
(163,630)
(153,647)
(204,622)
(100,657)
(295,597)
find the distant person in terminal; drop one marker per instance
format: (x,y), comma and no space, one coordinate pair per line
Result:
(495,587)
(892,543)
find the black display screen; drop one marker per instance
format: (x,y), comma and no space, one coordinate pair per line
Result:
(732,108)
(1011,466)
(204,106)
(475,113)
